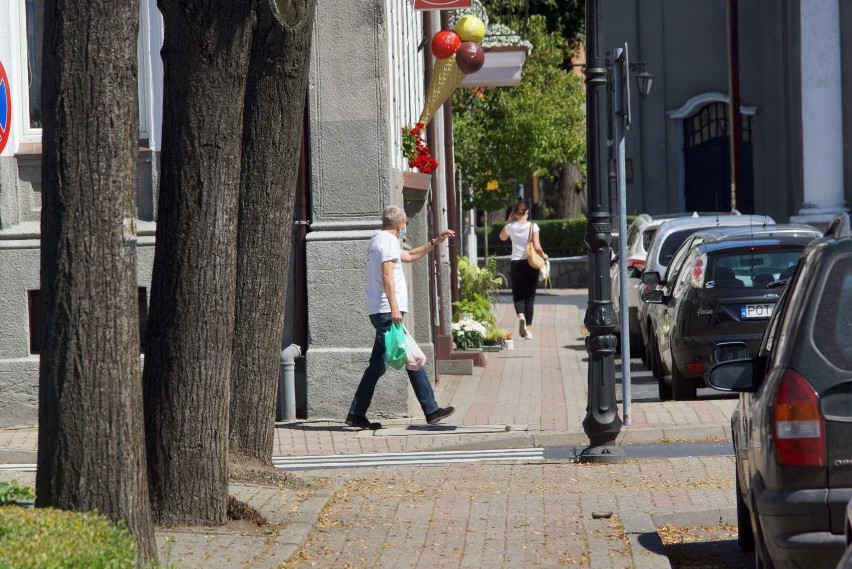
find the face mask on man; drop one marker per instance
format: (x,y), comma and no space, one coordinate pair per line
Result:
(403,233)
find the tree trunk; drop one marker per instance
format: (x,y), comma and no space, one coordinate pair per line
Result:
(570,200)
(188,360)
(272,137)
(91,433)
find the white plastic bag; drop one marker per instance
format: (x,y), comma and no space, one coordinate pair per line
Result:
(416,358)
(544,271)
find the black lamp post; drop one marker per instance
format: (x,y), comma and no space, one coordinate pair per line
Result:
(602,423)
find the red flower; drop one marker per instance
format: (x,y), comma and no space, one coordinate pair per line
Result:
(416,150)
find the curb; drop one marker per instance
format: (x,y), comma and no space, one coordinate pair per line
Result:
(645,543)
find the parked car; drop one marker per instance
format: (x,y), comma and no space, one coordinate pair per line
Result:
(721,286)
(792,426)
(639,236)
(669,236)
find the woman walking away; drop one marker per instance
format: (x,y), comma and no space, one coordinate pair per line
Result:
(524,278)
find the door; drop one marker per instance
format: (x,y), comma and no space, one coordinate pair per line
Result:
(707,161)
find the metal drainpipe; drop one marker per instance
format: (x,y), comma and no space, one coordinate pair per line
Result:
(434,258)
(449,174)
(288,391)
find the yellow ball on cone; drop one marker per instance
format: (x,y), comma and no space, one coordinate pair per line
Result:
(470,28)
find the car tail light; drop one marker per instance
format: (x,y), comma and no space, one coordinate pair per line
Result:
(638,263)
(797,423)
(695,367)
(698,267)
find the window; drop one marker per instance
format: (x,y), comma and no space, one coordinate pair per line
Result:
(833,322)
(35,33)
(750,268)
(32,60)
(711,122)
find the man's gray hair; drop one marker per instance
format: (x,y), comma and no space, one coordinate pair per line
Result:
(391,216)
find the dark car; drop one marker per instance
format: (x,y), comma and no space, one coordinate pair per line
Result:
(792,428)
(721,286)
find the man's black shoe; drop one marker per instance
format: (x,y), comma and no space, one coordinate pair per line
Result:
(361,422)
(441,413)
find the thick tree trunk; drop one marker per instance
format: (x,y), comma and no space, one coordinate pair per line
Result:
(272,136)
(91,434)
(188,360)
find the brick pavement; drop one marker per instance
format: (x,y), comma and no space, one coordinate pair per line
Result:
(526,514)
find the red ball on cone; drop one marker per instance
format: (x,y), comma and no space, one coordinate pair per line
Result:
(445,43)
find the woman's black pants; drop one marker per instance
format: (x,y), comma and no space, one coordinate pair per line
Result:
(524,283)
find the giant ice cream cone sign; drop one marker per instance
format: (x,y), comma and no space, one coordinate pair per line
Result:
(458,54)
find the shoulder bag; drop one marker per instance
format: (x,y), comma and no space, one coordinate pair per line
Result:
(535,260)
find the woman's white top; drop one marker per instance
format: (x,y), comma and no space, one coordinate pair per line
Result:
(519,233)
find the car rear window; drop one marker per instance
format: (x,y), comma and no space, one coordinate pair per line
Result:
(833,324)
(750,268)
(674,240)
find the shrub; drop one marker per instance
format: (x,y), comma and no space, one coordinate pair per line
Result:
(473,280)
(477,286)
(44,538)
(559,237)
(12,493)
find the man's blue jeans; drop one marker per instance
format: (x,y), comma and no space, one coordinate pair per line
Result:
(419,380)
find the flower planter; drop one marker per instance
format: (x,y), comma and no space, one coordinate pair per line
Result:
(496,348)
(416,181)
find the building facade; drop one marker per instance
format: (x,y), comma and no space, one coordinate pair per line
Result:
(797,135)
(366,83)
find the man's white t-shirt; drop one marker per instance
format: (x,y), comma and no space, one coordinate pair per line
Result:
(520,236)
(384,247)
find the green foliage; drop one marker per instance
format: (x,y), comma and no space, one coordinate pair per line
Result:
(477,307)
(504,134)
(45,538)
(477,286)
(12,492)
(474,280)
(559,237)
(496,334)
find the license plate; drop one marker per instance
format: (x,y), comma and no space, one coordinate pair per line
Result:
(749,311)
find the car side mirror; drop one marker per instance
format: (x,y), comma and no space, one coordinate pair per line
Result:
(653,296)
(728,351)
(739,376)
(651,278)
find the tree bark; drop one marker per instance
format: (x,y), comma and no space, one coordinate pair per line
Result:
(272,137)
(91,432)
(570,200)
(188,360)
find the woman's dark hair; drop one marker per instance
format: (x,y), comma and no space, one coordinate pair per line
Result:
(520,208)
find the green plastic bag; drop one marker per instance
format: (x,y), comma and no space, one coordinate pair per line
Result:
(395,346)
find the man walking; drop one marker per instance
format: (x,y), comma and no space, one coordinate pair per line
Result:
(387,302)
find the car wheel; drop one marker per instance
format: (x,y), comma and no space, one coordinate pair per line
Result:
(745,533)
(683,389)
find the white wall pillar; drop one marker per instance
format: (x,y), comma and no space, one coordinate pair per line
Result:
(822,112)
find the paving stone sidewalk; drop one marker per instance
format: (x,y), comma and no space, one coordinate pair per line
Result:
(534,395)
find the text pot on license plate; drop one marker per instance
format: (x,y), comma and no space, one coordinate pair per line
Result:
(756,310)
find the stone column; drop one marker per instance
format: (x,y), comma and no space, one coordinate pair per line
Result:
(822,112)
(351,181)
